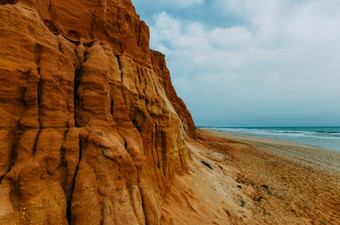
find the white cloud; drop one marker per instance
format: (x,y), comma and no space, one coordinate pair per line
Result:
(286,56)
(230,37)
(168,3)
(183,3)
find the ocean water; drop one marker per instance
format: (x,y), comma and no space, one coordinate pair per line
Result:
(323,137)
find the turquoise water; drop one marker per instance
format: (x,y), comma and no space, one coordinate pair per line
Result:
(323,137)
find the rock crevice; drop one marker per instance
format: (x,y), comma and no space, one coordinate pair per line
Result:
(4,2)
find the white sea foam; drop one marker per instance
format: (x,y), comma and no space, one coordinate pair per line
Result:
(324,137)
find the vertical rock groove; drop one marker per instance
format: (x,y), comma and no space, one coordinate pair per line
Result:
(77,77)
(37,56)
(143,206)
(69,201)
(93,25)
(120,68)
(111,106)
(139,32)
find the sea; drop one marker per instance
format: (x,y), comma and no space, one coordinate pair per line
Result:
(323,137)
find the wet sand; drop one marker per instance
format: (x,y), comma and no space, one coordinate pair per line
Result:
(281,182)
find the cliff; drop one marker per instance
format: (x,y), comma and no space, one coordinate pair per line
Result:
(92,131)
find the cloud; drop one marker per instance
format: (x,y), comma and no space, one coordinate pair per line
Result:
(183,3)
(167,3)
(281,60)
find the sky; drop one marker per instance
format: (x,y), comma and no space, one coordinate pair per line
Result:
(244,63)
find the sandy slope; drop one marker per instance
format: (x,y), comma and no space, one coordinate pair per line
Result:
(276,182)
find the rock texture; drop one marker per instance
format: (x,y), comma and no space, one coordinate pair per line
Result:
(91,129)
(159,65)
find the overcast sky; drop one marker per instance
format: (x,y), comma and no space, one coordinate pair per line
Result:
(251,62)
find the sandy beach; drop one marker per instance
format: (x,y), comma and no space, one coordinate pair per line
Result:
(271,181)
(305,154)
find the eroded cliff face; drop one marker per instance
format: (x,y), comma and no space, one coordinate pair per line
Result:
(159,65)
(91,129)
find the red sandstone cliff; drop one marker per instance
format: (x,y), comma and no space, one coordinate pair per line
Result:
(92,131)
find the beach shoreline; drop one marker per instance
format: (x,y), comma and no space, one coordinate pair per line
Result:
(276,182)
(307,154)
(323,137)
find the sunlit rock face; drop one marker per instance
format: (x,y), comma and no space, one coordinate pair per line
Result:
(91,128)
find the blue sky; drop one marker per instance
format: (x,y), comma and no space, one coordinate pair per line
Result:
(251,63)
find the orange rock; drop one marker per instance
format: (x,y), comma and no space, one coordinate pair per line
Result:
(92,129)
(159,64)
